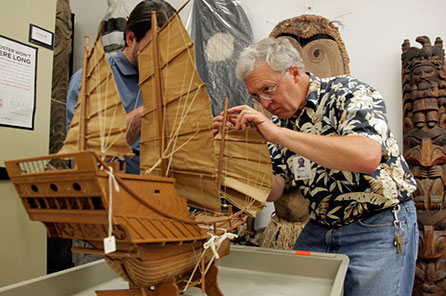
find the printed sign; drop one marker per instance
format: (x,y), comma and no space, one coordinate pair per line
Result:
(18,64)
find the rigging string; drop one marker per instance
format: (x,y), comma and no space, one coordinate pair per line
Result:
(184,111)
(165,107)
(148,171)
(112,182)
(103,117)
(225,160)
(161,212)
(175,133)
(265,172)
(187,105)
(174,136)
(115,106)
(258,184)
(165,153)
(185,101)
(99,102)
(106,141)
(115,110)
(248,200)
(214,243)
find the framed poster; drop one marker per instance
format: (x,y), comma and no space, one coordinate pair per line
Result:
(18,66)
(40,36)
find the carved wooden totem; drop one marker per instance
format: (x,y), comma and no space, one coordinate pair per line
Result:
(319,43)
(424,132)
(61,74)
(59,250)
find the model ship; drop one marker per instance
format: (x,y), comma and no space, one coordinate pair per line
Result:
(161,244)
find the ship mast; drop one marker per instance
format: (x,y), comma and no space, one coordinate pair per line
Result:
(82,144)
(222,146)
(83,99)
(159,94)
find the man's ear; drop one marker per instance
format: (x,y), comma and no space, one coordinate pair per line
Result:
(130,37)
(295,72)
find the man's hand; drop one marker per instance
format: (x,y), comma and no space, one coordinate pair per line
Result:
(217,122)
(133,120)
(243,116)
(278,187)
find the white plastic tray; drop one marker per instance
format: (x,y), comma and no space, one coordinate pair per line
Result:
(246,271)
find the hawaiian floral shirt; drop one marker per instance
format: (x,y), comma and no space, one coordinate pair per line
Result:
(345,106)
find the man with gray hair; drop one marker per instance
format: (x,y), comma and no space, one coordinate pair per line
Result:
(357,182)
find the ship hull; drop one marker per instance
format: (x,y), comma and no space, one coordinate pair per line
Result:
(156,236)
(150,264)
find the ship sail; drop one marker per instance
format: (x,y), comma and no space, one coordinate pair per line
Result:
(159,242)
(247,176)
(105,122)
(177,128)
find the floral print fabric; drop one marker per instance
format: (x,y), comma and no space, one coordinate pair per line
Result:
(345,106)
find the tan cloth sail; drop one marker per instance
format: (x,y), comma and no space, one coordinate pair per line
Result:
(105,118)
(187,126)
(247,173)
(187,117)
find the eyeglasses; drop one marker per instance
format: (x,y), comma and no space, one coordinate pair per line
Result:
(269,92)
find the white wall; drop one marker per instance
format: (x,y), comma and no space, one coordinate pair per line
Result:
(372,31)
(23,242)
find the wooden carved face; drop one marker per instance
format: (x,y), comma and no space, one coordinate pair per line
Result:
(430,276)
(424,102)
(423,75)
(425,152)
(318,42)
(424,98)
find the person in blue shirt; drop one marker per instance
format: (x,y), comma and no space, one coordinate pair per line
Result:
(124,65)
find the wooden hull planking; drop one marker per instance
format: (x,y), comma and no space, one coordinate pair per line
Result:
(156,236)
(154,264)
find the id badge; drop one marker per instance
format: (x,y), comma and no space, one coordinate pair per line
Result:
(301,168)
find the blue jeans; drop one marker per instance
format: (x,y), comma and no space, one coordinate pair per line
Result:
(376,267)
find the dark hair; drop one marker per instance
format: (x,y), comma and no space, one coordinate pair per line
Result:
(140,19)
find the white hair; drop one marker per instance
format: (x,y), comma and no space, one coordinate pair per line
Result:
(278,53)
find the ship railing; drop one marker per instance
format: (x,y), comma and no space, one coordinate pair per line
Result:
(79,161)
(45,165)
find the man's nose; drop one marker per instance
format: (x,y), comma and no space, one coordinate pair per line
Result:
(265,103)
